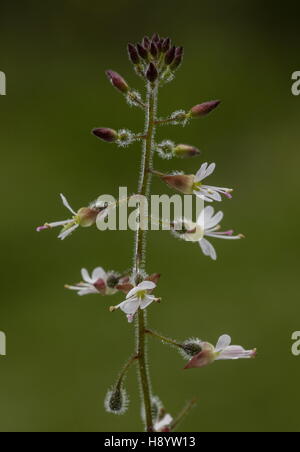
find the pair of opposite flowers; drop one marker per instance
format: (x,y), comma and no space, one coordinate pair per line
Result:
(207,225)
(140,297)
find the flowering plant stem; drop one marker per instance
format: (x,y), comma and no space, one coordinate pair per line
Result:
(140,249)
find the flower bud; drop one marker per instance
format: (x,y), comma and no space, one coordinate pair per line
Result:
(166,45)
(155,37)
(178,58)
(205,108)
(133,54)
(142,51)
(117,81)
(87,216)
(170,56)
(105,134)
(181,182)
(153,49)
(116,401)
(185,151)
(152,73)
(146,42)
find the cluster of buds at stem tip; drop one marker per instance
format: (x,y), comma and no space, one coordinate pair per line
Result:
(155,58)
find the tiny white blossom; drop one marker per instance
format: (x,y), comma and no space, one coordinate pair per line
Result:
(138,298)
(207,226)
(222,351)
(85,217)
(97,282)
(209,193)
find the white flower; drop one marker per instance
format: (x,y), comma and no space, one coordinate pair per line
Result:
(222,351)
(164,425)
(206,192)
(85,217)
(98,282)
(138,298)
(207,226)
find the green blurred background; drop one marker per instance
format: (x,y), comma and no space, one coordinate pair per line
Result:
(65,351)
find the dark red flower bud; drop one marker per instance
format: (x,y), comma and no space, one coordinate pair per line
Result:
(117,81)
(155,37)
(177,62)
(105,134)
(179,51)
(170,56)
(146,42)
(154,49)
(205,108)
(152,73)
(166,45)
(133,54)
(142,51)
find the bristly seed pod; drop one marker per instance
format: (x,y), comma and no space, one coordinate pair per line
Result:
(152,73)
(170,56)
(133,54)
(166,45)
(205,108)
(153,49)
(116,401)
(117,81)
(105,134)
(191,348)
(142,51)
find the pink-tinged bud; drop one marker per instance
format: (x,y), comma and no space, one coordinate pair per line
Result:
(117,81)
(133,54)
(154,278)
(143,53)
(181,182)
(105,134)
(170,56)
(185,151)
(152,73)
(205,108)
(87,216)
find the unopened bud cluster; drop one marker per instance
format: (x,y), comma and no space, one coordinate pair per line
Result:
(155,58)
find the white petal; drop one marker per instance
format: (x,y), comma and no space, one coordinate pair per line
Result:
(201,174)
(223,342)
(74,288)
(147,301)
(88,291)
(208,249)
(223,236)
(146,285)
(236,352)
(66,204)
(67,232)
(129,306)
(99,273)
(86,276)
(165,422)
(59,223)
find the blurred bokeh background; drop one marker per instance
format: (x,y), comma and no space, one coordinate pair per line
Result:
(65,351)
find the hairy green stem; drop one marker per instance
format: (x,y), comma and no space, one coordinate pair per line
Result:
(139,259)
(167,340)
